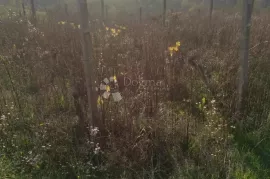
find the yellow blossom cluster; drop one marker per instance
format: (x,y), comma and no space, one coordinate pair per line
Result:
(115,31)
(173,49)
(72,24)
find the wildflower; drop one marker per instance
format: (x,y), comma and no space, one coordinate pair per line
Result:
(79,26)
(94,131)
(107,28)
(175,48)
(114,79)
(170,48)
(203,100)
(171,51)
(3,117)
(99,101)
(97,149)
(178,44)
(62,22)
(108,89)
(113,31)
(213,101)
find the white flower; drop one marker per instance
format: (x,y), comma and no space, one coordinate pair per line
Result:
(3,117)
(213,101)
(97,149)
(94,131)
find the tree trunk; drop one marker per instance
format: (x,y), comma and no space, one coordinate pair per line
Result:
(102,10)
(23,7)
(88,63)
(164,12)
(211,10)
(140,15)
(243,81)
(34,20)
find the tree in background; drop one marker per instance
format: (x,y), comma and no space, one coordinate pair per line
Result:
(33,10)
(211,9)
(164,11)
(243,82)
(102,10)
(87,62)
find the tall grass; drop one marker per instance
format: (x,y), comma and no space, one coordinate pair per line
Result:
(183,128)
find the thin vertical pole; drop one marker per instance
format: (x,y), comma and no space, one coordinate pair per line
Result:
(211,10)
(164,12)
(140,15)
(102,10)
(23,7)
(87,63)
(34,20)
(243,82)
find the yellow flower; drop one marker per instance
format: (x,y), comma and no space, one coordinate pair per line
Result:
(175,48)
(171,49)
(108,88)
(203,100)
(113,31)
(114,78)
(99,101)
(178,44)
(107,28)
(62,22)
(118,30)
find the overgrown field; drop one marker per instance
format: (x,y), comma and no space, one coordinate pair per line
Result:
(176,119)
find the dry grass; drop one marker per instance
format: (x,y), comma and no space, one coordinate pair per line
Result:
(152,132)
